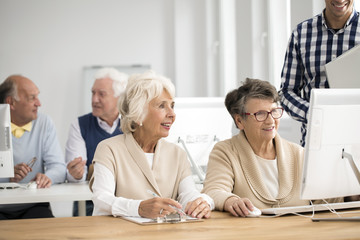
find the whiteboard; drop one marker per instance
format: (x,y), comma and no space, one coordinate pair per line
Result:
(89,73)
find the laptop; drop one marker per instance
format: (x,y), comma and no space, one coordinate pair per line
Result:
(344,71)
(310,208)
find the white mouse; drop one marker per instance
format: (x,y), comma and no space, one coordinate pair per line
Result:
(32,185)
(254,213)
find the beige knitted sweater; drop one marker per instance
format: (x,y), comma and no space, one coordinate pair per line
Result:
(233,170)
(133,176)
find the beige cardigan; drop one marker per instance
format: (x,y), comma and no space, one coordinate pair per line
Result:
(233,170)
(132,173)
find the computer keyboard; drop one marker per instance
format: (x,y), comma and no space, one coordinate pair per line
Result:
(310,208)
(11,185)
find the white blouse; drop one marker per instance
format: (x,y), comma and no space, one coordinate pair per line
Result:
(270,172)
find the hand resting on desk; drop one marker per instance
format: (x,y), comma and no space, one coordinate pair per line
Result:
(42,180)
(198,208)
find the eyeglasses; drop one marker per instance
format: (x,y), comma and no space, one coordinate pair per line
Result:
(261,116)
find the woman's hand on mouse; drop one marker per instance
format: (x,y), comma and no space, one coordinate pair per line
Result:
(238,206)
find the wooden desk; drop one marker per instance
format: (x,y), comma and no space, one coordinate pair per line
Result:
(220,226)
(57,192)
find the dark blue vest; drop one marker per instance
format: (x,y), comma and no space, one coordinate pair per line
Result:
(92,134)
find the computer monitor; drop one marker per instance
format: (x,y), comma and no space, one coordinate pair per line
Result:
(200,123)
(332,151)
(6,151)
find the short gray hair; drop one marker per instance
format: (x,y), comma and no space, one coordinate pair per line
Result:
(140,90)
(119,79)
(9,88)
(235,100)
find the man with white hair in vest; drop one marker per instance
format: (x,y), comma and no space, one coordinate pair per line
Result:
(88,130)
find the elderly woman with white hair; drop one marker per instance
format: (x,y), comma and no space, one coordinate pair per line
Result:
(129,167)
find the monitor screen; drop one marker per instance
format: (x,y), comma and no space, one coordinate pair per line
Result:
(332,151)
(6,153)
(200,123)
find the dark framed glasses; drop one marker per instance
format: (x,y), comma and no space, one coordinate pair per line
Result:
(261,116)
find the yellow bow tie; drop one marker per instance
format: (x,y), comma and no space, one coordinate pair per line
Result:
(19,131)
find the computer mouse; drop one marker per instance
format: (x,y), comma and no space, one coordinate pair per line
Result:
(32,185)
(254,213)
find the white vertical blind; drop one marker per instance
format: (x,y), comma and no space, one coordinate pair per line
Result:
(213,81)
(228,60)
(278,34)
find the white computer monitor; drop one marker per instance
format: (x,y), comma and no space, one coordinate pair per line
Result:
(200,123)
(6,151)
(333,138)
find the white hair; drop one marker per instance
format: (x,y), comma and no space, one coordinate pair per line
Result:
(140,90)
(119,79)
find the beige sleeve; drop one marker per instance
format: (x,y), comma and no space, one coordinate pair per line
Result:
(219,181)
(186,171)
(103,155)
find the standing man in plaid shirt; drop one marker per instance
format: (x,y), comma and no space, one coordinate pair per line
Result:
(312,44)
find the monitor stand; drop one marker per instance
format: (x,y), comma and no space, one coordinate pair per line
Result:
(352,164)
(357,174)
(199,172)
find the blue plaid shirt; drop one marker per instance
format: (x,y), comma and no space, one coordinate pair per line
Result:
(312,44)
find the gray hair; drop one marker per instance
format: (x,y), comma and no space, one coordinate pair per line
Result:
(140,90)
(8,88)
(236,100)
(119,79)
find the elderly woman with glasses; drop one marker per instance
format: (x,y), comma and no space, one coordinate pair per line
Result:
(256,168)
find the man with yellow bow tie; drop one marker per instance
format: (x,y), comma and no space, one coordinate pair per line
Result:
(37,153)
(19,131)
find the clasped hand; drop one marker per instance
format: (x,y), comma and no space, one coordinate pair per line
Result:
(160,207)
(76,168)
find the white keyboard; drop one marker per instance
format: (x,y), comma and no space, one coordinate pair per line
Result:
(10,185)
(310,208)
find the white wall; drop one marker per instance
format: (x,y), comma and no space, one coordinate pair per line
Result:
(51,41)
